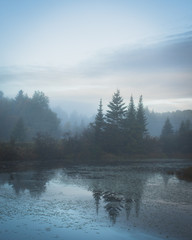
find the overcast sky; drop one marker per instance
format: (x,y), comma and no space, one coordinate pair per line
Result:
(78,51)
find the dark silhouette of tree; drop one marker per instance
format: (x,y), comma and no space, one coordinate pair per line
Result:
(167,137)
(99,124)
(114,123)
(141,125)
(141,119)
(39,99)
(20,97)
(184,137)
(116,112)
(167,129)
(131,128)
(7,119)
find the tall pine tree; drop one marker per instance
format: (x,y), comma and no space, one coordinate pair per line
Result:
(99,124)
(116,112)
(167,137)
(114,124)
(131,128)
(167,130)
(141,126)
(141,119)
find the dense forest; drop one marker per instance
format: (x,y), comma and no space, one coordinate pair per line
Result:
(30,130)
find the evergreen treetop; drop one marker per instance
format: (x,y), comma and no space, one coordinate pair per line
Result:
(99,119)
(141,118)
(131,114)
(116,111)
(167,129)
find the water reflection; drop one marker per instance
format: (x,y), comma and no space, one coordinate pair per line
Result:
(34,182)
(127,196)
(116,190)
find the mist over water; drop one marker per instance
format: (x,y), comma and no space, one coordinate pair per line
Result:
(139,201)
(105,88)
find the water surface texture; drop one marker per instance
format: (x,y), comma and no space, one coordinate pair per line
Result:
(138,201)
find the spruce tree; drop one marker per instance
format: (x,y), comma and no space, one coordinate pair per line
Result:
(131,114)
(141,126)
(114,124)
(167,137)
(167,130)
(184,137)
(116,112)
(131,128)
(99,124)
(141,119)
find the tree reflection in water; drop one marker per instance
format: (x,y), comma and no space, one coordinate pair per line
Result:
(114,205)
(118,191)
(116,202)
(34,182)
(138,195)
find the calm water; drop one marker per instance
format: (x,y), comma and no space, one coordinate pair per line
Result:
(139,201)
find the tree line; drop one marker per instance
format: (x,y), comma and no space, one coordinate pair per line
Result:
(123,128)
(29,129)
(22,117)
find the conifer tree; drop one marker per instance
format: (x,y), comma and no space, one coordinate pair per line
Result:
(131,127)
(184,137)
(167,137)
(99,124)
(141,119)
(114,124)
(167,130)
(116,112)
(131,114)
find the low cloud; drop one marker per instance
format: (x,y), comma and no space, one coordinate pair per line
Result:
(161,70)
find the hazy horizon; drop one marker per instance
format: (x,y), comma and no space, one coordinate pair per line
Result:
(77,52)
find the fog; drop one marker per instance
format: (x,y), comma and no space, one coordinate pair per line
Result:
(77,53)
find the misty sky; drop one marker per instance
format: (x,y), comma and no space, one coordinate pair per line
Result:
(77,52)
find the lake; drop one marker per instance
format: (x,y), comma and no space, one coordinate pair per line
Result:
(137,201)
